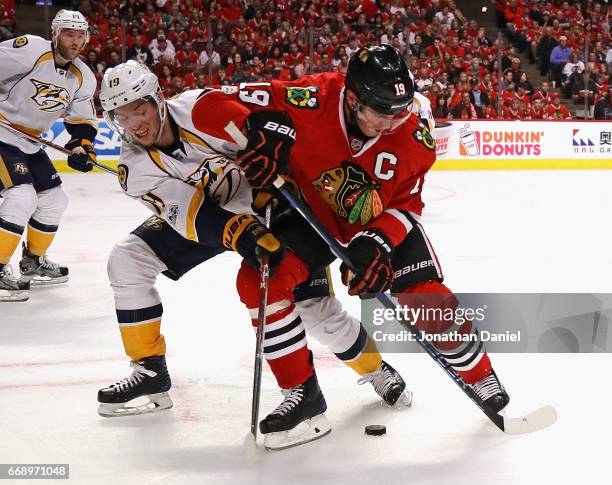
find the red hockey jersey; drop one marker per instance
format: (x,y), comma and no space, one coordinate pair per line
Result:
(348,188)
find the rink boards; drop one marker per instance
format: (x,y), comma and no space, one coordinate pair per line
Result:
(460,145)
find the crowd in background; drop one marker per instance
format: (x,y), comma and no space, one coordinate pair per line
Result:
(465,72)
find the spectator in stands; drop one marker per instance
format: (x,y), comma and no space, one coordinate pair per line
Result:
(584,90)
(440,110)
(465,109)
(574,65)
(559,56)
(514,111)
(343,64)
(96,66)
(544,93)
(140,53)
(537,111)
(209,55)
(162,49)
(603,108)
(7,22)
(556,111)
(525,83)
(478,98)
(543,51)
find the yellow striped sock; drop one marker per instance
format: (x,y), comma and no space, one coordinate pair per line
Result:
(369,360)
(143,340)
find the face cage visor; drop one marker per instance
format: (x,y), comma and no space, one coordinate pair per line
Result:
(118,124)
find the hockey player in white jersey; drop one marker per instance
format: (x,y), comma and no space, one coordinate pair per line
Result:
(40,81)
(203,206)
(421,106)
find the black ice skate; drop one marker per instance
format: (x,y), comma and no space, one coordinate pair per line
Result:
(150,382)
(11,288)
(39,271)
(298,419)
(492,392)
(389,385)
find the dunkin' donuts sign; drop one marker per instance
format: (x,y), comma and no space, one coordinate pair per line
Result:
(519,143)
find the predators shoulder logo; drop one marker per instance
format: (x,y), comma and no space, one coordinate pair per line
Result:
(302,97)
(50,97)
(154,223)
(422,135)
(122,175)
(21,168)
(350,192)
(20,41)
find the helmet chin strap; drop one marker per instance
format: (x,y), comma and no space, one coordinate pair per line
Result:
(352,124)
(162,112)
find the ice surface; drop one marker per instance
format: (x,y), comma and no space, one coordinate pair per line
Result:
(493,231)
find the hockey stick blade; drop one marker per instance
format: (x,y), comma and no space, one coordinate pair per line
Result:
(530,423)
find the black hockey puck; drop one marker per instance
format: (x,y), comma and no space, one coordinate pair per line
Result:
(375,430)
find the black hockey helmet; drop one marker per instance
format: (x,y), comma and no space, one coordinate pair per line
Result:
(378,75)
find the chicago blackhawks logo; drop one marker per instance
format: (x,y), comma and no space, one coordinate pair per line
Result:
(50,97)
(302,97)
(350,192)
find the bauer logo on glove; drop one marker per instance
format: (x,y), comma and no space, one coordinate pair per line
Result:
(270,137)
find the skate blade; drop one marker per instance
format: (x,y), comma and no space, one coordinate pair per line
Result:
(405,400)
(45,281)
(155,402)
(14,295)
(309,430)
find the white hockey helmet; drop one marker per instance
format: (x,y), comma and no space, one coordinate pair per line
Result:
(69,19)
(126,83)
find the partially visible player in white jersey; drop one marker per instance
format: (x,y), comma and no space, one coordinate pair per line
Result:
(40,81)
(421,106)
(202,205)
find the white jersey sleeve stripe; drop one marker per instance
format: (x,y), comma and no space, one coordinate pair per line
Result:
(401,218)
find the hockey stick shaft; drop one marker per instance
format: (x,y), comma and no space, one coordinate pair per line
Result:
(261,322)
(341,253)
(36,139)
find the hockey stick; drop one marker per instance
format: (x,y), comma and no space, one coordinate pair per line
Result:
(35,139)
(534,421)
(261,322)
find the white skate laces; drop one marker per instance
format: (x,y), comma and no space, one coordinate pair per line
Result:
(6,272)
(382,380)
(487,387)
(293,397)
(45,264)
(136,377)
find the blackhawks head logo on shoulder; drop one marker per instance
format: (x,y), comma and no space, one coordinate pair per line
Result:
(50,97)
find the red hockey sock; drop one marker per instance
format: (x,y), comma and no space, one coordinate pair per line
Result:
(285,347)
(469,359)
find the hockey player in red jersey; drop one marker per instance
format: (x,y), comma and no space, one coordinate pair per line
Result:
(359,159)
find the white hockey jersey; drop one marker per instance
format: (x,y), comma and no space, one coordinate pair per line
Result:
(34,92)
(174,186)
(422,107)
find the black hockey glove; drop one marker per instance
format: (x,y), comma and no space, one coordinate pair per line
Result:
(251,239)
(270,138)
(370,252)
(82,155)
